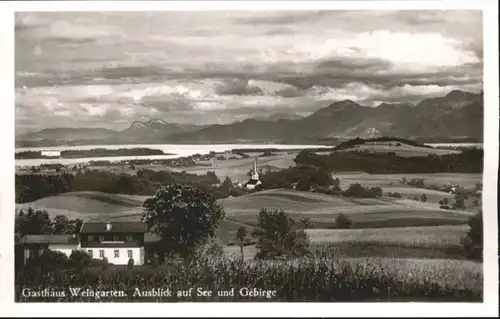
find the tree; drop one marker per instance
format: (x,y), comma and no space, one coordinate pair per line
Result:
(226,185)
(78,225)
(183,217)
(460,198)
(277,238)
(343,222)
(303,185)
(423,198)
(307,223)
(79,260)
(60,224)
(33,223)
(473,242)
(240,235)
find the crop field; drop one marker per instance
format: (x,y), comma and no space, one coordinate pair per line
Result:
(306,279)
(430,236)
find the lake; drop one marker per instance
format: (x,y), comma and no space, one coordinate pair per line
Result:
(177,149)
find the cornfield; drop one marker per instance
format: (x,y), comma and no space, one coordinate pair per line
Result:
(306,279)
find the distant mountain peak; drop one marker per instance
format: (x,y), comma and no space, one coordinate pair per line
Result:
(137,125)
(456,94)
(157,121)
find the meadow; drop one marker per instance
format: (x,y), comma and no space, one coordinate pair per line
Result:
(381,226)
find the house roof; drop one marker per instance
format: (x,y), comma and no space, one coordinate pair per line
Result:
(116,227)
(48,239)
(252,182)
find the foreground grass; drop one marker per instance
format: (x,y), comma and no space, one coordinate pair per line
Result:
(306,279)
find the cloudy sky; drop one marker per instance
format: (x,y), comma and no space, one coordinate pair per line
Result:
(110,69)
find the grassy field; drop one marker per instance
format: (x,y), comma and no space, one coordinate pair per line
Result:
(467,181)
(89,205)
(322,209)
(398,242)
(403,150)
(385,226)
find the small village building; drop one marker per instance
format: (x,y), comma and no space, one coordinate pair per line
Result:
(35,245)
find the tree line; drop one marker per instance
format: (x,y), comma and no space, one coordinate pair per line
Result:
(30,187)
(468,161)
(39,222)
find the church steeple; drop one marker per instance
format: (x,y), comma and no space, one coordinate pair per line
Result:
(255,175)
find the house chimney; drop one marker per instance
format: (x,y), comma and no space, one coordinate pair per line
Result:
(108,226)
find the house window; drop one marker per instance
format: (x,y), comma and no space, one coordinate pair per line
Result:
(101,238)
(116,238)
(129,238)
(90,253)
(91,238)
(117,253)
(129,252)
(101,253)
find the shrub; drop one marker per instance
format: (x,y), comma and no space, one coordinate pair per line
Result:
(79,259)
(343,222)
(303,185)
(105,263)
(395,195)
(130,263)
(155,261)
(358,191)
(48,261)
(423,198)
(307,223)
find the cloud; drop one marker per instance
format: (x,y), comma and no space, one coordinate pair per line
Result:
(107,69)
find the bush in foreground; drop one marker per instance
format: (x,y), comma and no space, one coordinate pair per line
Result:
(305,279)
(277,236)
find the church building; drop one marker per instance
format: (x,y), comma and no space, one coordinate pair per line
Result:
(254,181)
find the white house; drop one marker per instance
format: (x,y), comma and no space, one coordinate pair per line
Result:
(254,181)
(117,241)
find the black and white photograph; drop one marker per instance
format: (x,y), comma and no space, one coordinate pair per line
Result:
(271,156)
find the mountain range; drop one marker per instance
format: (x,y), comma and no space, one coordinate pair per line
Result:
(458,114)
